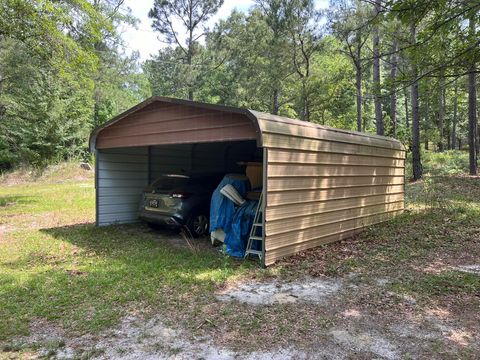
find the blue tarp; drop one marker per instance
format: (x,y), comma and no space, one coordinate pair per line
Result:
(222,209)
(237,237)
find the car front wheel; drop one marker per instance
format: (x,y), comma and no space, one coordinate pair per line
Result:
(198,224)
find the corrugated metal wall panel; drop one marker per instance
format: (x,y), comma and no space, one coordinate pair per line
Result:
(122,174)
(311,157)
(305,209)
(305,196)
(286,183)
(325,185)
(277,125)
(221,157)
(170,159)
(326,146)
(288,243)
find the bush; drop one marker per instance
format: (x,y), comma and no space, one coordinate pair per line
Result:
(447,163)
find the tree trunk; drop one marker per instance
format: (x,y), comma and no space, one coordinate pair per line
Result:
(376,75)
(416,159)
(454,119)
(407,121)
(393,97)
(189,61)
(477,134)
(472,108)
(427,121)
(190,54)
(275,106)
(305,114)
(441,112)
(358,79)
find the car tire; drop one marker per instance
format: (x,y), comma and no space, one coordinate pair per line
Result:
(198,224)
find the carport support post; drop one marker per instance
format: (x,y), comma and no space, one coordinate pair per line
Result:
(264,202)
(96,187)
(149,165)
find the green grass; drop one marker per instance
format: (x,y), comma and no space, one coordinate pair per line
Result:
(86,277)
(445,283)
(55,265)
(448,163)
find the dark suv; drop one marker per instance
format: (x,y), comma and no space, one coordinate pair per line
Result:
(180,200)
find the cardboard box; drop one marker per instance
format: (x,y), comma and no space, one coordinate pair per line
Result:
(254,172)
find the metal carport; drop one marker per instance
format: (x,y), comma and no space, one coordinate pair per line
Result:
(320,184)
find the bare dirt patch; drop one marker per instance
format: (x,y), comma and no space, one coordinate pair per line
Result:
(472,269)
(257,293)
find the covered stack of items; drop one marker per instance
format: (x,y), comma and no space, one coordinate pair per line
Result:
(231,214)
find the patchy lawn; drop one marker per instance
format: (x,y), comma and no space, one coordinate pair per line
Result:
(409,288)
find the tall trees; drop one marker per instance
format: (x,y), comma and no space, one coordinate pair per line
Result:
(393,93)
(441,111)
(472,101)
(278,65)
(302,22)
(62,71)
(416,160)
(278,57)
(349,21)
(192,16)
(376,71)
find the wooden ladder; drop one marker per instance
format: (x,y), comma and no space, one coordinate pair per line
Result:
(256,233)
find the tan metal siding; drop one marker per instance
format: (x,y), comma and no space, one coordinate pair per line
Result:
(289,142)
(278,125)
(324,185)
(291,243)
(161,123)
(285,183)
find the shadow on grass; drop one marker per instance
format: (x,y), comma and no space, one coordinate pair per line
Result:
(7,201)
(91,283)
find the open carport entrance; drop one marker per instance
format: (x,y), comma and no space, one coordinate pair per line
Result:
(215,157)
(123,173)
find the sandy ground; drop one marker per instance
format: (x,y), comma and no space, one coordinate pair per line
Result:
(353,336)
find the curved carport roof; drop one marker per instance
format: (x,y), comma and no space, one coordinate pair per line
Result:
(161,120)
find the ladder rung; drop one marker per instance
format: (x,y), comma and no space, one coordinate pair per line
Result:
(255,252)
(257,224)
(256,238)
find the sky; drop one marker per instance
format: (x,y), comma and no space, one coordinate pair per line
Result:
(144,40)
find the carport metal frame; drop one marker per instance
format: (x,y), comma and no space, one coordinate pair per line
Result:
(278,134)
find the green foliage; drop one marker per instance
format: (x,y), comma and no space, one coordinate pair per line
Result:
(46,112)
(452,162)
(448,163)
(64,69)
(62,73)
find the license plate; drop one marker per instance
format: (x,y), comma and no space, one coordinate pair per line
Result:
(153,203)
